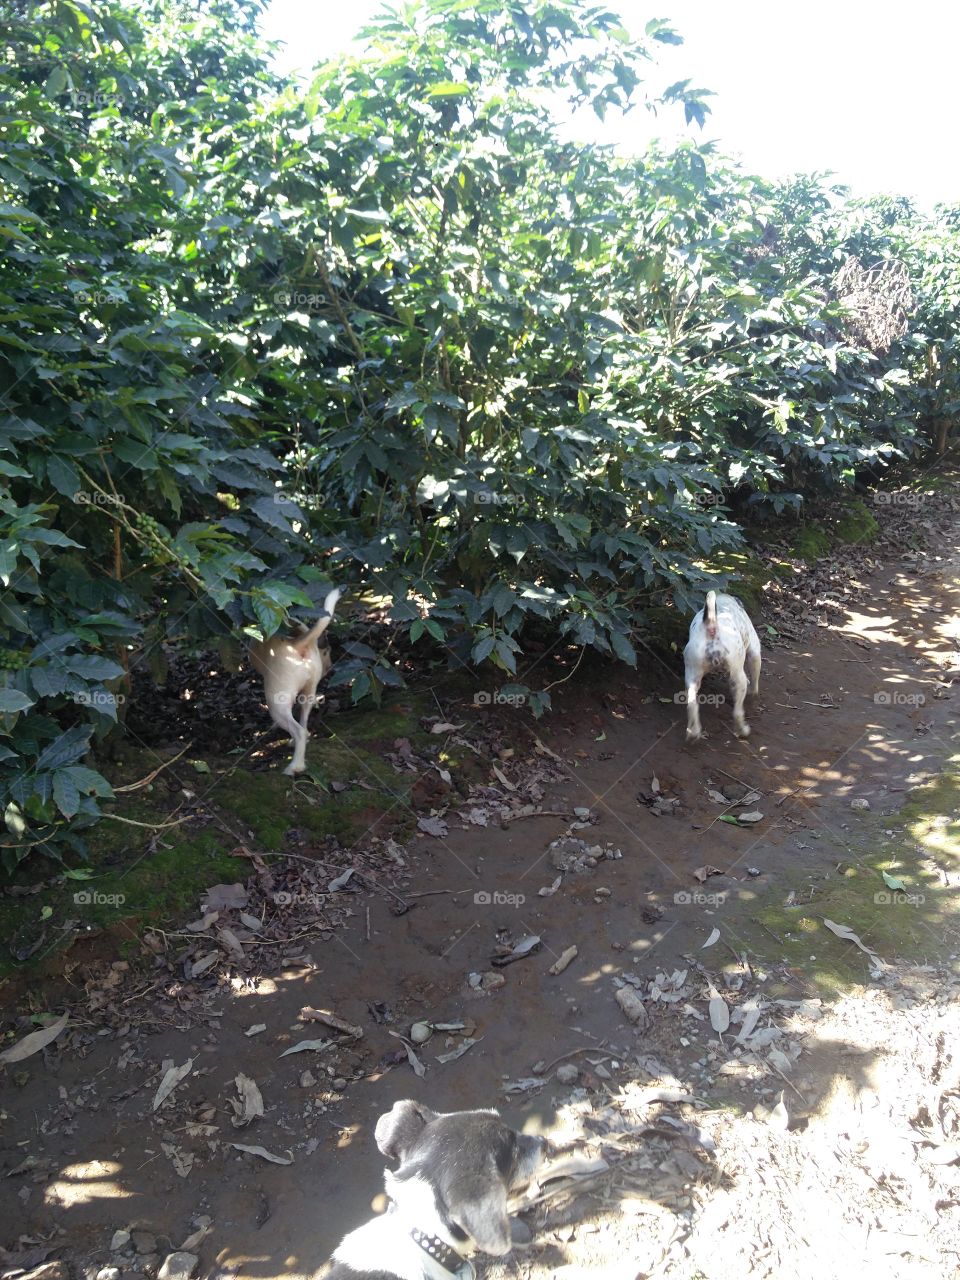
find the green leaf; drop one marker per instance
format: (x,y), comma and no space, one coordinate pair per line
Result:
(13,700)
(65,794)
(448,89)
(623,648)
(68,748)
(63,476)
(56,82)
(892,882)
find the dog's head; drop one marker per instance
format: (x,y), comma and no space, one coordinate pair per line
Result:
(456,1171)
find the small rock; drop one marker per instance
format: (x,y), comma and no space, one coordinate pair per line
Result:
(339,1084)
(307,1079)
(601,893)
(753,871)
(860,803)
(178,1266)
(119,1240)
(520,1233)
(632,1006)
(580,812)
(595,851)
(108,1273)
(421,1032)
(567,1073)
(489,981)
(144,1241)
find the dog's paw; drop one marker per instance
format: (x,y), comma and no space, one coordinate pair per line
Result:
(694,735)
(742,730)
(292,771)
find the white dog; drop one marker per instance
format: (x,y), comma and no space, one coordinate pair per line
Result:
(722,637)
(291,671)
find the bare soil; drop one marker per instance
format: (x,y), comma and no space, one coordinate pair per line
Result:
(819,1135)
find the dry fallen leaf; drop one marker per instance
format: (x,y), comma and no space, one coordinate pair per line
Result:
(719,1012)
(503,778)
(303,1045)
(844,931)
(249,1105)
(35,1041)
(418,1067)
(461,1049)
(340,881)
(263,1153)
(443,727)
(549,890)
(701,873)
(711,940)
(171,1079)
(433,827)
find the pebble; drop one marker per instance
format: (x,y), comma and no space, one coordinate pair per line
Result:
(581,812)
(178,1266)
(520,1233)
(339,1084)
(307,1079)
(567,1073)
(860,803)
(119,1240)
(108,1273)
(421,1032)
(632,1006)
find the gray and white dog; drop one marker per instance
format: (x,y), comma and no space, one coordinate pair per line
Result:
(448,1196)
(722,638)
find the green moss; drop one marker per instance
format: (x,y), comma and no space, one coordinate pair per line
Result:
(814,539)
(148,873)
(857,524)
(909,924)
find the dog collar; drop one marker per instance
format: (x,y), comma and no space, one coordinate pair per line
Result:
(443,1254)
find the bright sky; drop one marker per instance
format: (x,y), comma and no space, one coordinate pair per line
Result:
(866,88)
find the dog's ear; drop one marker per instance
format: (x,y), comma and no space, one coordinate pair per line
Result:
(397,1131)
(486,1221)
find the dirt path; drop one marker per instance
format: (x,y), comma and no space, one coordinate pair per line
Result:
(857,709)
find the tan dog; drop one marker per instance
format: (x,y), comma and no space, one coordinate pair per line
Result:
(291,671)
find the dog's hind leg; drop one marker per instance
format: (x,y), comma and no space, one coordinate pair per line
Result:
(307,699)
(693,676)
(282,716)
(752,664)
(738,684)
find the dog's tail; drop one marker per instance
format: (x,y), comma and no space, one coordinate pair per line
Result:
(710,614)
(303,643)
